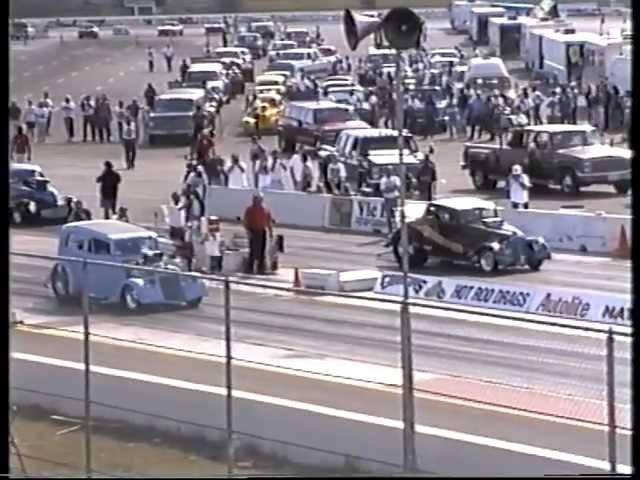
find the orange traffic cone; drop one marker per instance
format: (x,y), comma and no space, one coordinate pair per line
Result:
(297,283)
(624,249)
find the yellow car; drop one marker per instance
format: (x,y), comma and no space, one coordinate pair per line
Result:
(267,82)
(269,106)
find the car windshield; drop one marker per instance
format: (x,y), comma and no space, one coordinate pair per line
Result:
(227,54)
(277,46)
(269,83)
(173,105)
(345,96)
(575,139)
(490,83)
(134,246)
(20,175)
(381,58)
(248,39)
(333,115)
(436,94)
(199,77)
(298,35)
(474,215)
(440,53)
(292,55)
(458,76)
(287,67)
(386,143)
(262,28)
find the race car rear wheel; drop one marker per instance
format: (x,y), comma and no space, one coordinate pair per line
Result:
(128,299)
(60,284)
(487,261)
(535,264)
(418,256)
(195,303)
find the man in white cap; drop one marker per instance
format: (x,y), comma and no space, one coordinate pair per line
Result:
(519,186)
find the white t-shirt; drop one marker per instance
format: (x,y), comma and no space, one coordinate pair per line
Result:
(392,181)
(264,180)
(129,131)
(238,178)
(212,245)
(517,192)
(172,216)
(296,166)
(30,114)
(68,109)
(42,114)
(336,171)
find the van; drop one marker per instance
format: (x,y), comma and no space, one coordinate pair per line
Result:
(489,74)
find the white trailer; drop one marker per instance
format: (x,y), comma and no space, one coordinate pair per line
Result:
(563,54)
(599,54)
(480,23)
(620,72)
(460,14)
(531,42)
(504,36)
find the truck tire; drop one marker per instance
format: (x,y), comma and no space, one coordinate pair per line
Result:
(481,180)
(622,187)
(60,284)
(418,256)
(487,261)
(569,182)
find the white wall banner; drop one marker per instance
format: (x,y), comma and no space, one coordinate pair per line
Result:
(578,305)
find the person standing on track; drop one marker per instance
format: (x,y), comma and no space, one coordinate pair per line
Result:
(109,181)
(168,57)
(49,105)
(150,59)
(121,114)
(184,68)
(104,118)
(42,115)
(69,112)
(29,118)
(20,146)
(390,189)
(257,222)
(133,109)
(150,95)
(199,119)
(129,143)
(88,109)
(15,113)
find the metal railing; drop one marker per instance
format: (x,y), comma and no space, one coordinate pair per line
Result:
(601,351)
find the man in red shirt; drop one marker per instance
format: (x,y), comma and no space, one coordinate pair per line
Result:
(20,146)
(204,146)
(257,222)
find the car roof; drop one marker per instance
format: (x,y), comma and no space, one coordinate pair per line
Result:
(206,67)
(559,128)
(268,76)
(186,93)
(249,34)
(299,50)
(230,49)
(277,73)
(374,50)
(297,30)
(25,166)
(109,228)
(464,203)
(349,88)
(316,105)
(371,132)
(484,9)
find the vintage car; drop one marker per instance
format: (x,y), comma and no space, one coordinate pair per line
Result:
(301,36)
(214,28)
(232,68)
(120,30)
(240,54)
(275,82)
(31,196)
(418,119)
(170,29)
(468,230)
(19,30)
(213,75)
(270,106)
(88,30)
(267,30)
(569,156)
(173,111)
(126,244)
(330,54)
(308,60)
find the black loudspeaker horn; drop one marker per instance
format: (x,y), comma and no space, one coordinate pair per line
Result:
(401,27)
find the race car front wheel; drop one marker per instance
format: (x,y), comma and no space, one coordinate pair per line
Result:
(129,300)
(487,261)
(60,284)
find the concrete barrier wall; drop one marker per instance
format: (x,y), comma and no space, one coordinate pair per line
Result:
(564,230)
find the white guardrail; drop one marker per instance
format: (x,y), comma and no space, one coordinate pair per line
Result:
(572,231)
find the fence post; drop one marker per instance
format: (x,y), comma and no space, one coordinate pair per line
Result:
(87,372)
(611,401)
(228,383)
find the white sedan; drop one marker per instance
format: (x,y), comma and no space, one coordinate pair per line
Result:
(170,29)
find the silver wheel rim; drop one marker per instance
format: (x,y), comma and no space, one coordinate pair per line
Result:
(130,301)
(486,261)
(567,182)
(59,286)
(17,217)
(478,177)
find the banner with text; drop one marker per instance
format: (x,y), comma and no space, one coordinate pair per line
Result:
(577,305)
(368,215)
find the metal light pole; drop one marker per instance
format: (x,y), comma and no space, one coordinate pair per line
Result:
(408,408)
(87,371)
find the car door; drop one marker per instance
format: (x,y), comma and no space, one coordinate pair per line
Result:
(350,159)
(74,246)
(540,157)
(104,280)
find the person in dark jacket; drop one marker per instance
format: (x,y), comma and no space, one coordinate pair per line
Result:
(150,95)
(430,113)
(109,181)
(184,68)
(104,117)
(426,177)
(77,211)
